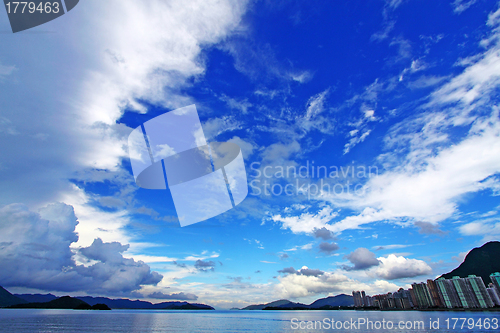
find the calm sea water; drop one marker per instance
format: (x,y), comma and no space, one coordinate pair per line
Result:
(30,320)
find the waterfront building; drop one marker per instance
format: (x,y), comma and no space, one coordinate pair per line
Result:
(368,301)
(481,293)
(495,278)
(434,292)
(448,293)
(413,298)
(422,294)
(494,295)
(465,293)
(358,300)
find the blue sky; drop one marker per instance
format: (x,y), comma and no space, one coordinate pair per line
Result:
(406,89)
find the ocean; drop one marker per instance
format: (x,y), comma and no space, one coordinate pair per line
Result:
(38,320)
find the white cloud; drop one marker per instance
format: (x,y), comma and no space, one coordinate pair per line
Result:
(147,53)
(362,259)
(6,71)
(242,105)
(383,34)
(394,3)
(394,267)
(490,230)
(328,283)
(461,5)
(307,246)
(426,81)
(429,194)
(306,222)
(315,105)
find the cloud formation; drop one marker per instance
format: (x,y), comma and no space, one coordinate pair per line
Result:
(36,248)
(362,259)
(397,267)
(175,296)
(205,265)
(328,248)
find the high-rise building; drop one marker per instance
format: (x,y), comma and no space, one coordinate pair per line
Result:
(413,298)
(495,278)
(407,295)
(401,299)
(448,293)
(434,292)
(494,295)
(358,300)
(381,301)
(363,297)
(465,293)
(422,294)
(483,297)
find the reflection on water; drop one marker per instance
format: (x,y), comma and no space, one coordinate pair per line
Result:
(31,320)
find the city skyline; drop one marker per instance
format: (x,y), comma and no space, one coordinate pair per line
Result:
(468,293)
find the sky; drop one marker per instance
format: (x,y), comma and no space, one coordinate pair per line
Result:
(370,132)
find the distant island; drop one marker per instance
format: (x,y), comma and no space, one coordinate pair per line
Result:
(64,302)
(49,301)
(328,303)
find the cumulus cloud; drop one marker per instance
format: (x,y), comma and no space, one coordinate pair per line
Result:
(328,283)
(150,57)
(36,248)
(205,265)
(322,233)
(303,271)
(397,267)
(310,272)
(288,270)
(328,248)
(362,259)
(148,53)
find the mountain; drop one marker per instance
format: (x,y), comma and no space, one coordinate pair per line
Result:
(36,298)
(339,300)
(481,261)
(288,305)
(334,301)
(64,302)
(272,304)
(128,304)
(7,299)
